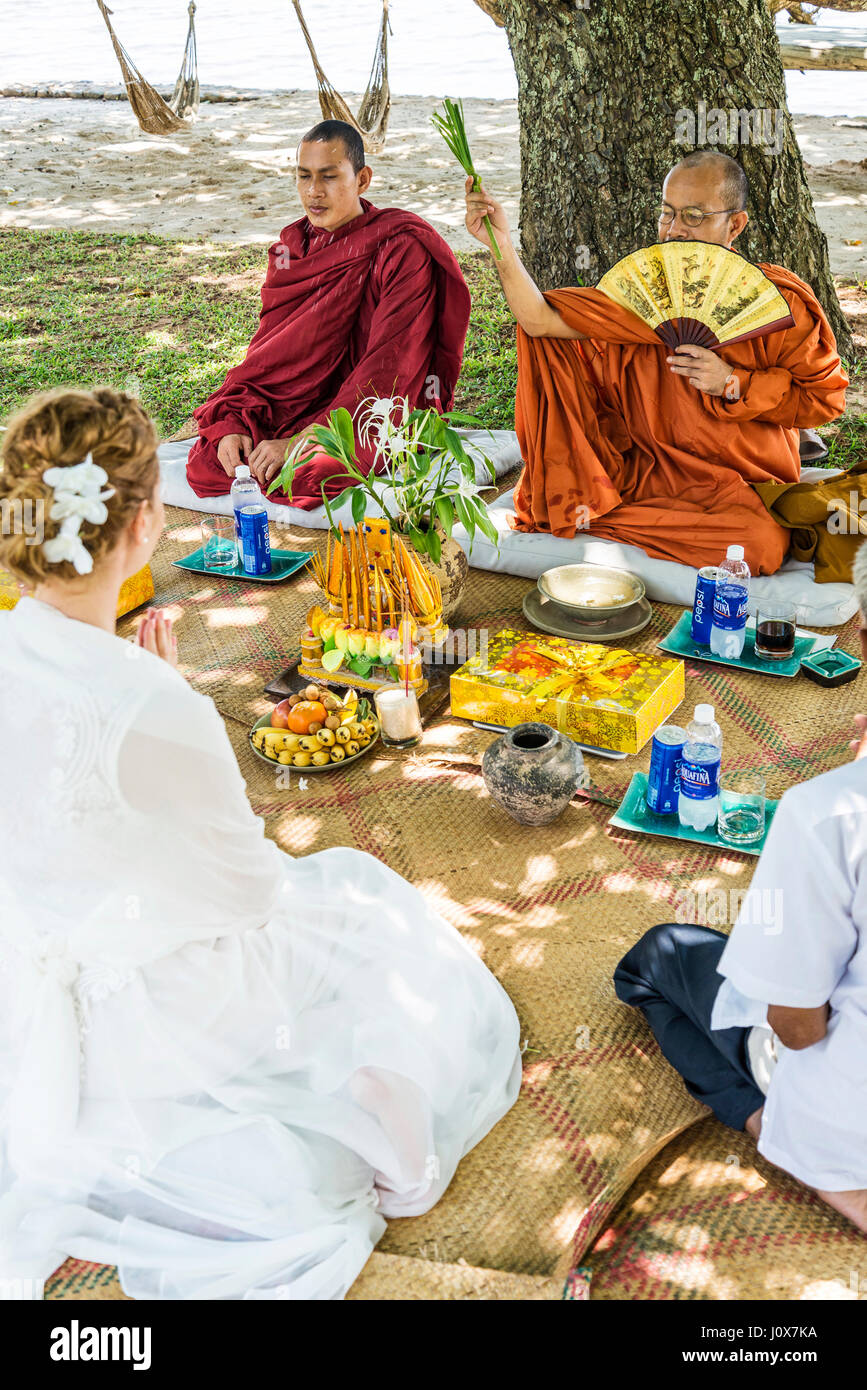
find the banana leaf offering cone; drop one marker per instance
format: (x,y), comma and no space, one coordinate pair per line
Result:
(377,599)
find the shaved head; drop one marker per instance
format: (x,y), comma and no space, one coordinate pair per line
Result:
(732,179)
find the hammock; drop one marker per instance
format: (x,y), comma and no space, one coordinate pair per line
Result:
(153,114)
(184,100)
(372,120)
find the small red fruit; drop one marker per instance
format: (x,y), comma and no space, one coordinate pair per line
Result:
(280,715)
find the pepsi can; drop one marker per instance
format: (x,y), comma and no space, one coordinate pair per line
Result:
(702,605)
(255,542)
(663,782)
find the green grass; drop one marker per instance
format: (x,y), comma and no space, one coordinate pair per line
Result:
(166,319)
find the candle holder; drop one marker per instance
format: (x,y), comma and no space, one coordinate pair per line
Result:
(398,714)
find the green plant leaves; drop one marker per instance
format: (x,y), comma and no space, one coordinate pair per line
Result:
(341,423)
(445,510)
(359,505)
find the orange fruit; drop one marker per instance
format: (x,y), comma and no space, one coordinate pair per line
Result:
(307,712)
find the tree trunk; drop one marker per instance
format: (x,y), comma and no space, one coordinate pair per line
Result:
(611,95)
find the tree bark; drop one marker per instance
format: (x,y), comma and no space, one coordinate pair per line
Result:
(605,94)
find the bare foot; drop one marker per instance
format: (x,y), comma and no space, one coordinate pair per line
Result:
(851,1204)
(753,1124)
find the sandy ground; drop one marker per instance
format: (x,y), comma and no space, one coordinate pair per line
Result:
(86,164)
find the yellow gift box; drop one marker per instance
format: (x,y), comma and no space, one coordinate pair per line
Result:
(135,591)
(604,696)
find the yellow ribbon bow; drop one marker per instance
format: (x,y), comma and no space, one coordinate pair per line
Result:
(582,672)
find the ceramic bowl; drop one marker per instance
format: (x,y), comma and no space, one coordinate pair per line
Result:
(591,592)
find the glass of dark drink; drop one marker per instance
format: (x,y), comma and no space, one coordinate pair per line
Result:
(775,631)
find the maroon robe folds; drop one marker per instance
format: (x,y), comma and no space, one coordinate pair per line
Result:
(377,308)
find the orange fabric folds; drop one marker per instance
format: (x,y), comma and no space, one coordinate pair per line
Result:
(617,444)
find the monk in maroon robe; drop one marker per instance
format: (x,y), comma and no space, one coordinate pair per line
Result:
(358,301)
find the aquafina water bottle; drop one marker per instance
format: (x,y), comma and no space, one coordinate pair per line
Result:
(245,493)
(731,597)
(698,802)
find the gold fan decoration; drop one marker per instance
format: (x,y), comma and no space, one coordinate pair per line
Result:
(697,292)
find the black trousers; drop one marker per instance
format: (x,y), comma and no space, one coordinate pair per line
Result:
(671,976)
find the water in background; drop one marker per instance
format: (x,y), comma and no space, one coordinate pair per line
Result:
(439,48)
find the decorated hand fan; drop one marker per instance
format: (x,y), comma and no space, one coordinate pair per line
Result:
(697,292)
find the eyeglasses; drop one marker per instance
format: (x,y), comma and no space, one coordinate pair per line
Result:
(693,217)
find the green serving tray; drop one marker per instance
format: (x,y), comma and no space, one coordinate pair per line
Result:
(284,563)
(680,643)
(633,813)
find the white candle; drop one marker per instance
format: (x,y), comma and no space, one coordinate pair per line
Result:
(399,718)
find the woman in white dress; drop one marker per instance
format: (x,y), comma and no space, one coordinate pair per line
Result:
(221,1069)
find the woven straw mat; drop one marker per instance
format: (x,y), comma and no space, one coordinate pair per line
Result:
(550,911)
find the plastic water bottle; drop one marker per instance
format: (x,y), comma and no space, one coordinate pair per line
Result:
(245,493)
(731,597)
(698,803)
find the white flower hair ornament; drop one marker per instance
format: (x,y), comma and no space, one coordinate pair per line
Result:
(78,496)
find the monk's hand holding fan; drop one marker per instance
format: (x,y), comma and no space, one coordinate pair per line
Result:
(702,368)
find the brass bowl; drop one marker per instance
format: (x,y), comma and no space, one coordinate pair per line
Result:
(591,592)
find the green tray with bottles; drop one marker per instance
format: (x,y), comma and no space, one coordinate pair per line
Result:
(634,814)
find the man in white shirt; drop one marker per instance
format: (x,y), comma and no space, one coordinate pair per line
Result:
(780,1007)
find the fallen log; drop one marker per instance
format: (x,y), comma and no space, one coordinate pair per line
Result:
(808,48)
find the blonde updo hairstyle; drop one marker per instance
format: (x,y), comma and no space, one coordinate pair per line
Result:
(57,429)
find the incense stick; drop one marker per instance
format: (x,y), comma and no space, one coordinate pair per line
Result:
(344,588)
(364,575)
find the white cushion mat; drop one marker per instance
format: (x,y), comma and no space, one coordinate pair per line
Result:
(531,553)
(500,446)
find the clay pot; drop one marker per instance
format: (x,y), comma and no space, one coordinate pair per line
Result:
(451,571)
(533,772)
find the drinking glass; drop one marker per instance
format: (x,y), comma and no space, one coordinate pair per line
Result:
(218,541)
(398,714)
(741,807)
(775,630)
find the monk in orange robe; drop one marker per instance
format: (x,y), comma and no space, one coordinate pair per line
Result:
(629,441)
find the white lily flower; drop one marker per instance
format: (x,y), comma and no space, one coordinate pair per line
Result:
(466,489)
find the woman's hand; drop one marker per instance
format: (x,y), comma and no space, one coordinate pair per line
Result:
(156,636)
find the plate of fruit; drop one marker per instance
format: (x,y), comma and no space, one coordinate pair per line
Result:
(316,730)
